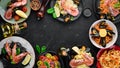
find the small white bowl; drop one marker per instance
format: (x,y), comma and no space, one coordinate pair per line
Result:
(114,36)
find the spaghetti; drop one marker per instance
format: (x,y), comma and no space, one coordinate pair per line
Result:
(110,59)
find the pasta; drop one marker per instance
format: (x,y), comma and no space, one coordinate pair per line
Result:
(110,59)
(109,7)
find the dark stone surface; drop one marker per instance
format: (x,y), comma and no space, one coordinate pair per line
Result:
(54,34)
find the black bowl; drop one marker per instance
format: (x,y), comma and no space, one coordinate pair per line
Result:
(61,18)
(96,10)
(73,53)
(54,53)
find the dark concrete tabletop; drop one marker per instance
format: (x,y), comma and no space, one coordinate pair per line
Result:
(55,34)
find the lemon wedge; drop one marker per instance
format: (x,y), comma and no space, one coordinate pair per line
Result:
(57,10)
(27,59)
(21,13)
(76,49)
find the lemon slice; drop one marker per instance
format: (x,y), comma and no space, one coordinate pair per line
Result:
(103,32)
(21,13)
(27,59)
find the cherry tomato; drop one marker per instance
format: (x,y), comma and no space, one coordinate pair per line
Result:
(24,9)
(55,57)
(42,57)
(16,17)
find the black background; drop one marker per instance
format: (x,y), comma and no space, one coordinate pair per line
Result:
(55,34)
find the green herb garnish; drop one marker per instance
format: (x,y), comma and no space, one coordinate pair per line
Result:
(47,64)
(50,10)
(117,5)
(18,51)
(54,15)
(3,51)
(37,48)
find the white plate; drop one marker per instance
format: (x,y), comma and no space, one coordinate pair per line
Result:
(114,36)
(25,44)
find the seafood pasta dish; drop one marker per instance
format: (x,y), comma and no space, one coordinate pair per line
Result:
(110,59)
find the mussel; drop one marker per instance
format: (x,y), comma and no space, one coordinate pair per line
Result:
(110,33)
(95,32)
(102,25)
(103,41)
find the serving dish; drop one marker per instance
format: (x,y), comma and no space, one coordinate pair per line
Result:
(3,8)
(72,18)
(50,59)
(108,57)
(78,54)
(97,10)
(103,37)
(24,44)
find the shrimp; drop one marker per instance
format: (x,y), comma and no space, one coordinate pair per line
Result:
(19,3)
(19,57)
(73,11)
(14,51)
(74,63)
(114,11)
(70,7)
(8,49)
(88,60)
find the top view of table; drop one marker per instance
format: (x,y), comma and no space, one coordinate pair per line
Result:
(55,34)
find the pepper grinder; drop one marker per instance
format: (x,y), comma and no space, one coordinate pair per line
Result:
(42,9)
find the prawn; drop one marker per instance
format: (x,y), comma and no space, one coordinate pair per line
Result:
(88,60)
(19,57)
(74,63)
(70,9)
(18,3)
(14,51)
(8,49)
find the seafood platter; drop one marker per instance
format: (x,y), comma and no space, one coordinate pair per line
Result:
(65,10)
(13,11)
(108,9)
(41,33)
(103,33)
(16,52)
